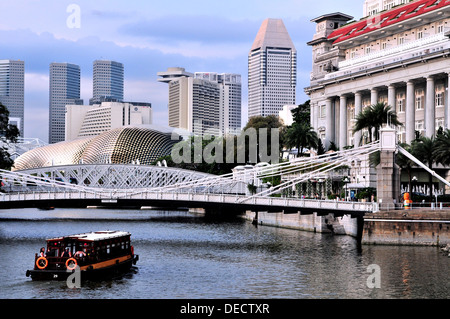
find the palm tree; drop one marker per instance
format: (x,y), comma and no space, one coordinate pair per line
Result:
(442,148)
(423,149)
(373,117)
(301,136)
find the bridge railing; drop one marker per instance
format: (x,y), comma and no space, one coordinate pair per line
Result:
(291,203)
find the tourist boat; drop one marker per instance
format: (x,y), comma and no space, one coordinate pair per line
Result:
(97,255)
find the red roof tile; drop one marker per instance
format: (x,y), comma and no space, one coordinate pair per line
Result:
(387,18)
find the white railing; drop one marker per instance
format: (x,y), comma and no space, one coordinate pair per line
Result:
(402,48)
(435,42)
(198,198)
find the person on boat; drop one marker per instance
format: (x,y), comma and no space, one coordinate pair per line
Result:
(51,252)
(80,254)
(66,253)
(42,252)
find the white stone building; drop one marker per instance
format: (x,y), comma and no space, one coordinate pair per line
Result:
(91,120)
(400,58)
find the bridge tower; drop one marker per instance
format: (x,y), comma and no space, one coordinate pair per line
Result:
(388,173)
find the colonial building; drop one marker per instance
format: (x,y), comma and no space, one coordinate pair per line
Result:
(399,56)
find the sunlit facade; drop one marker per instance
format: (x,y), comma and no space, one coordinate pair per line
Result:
(399,57)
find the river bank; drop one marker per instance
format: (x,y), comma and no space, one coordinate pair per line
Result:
(414,227)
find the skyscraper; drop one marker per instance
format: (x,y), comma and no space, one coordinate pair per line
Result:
(64,90)
(230,99)
(204,102)
(12,79)
(272,70)
(108,81)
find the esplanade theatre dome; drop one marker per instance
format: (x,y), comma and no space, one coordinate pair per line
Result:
(131,144)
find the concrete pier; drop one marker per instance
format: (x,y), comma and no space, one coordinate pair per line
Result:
(401,227)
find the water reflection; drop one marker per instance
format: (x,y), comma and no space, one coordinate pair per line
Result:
(187,256)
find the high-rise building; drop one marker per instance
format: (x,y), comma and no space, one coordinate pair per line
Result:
(204,102)
(108,81)
(230,99)
(64,90)
(12,79)
(272,70)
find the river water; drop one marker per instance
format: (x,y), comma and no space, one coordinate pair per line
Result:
(186,256)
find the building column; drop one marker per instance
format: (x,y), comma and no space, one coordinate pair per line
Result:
(316,116)
(312,114)
(329,133)
(447,103)
(358,108)
(373,96)
(410,112)
(430,108)
(342,122)
(392,98)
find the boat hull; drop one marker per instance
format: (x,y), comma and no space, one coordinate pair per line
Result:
(100,271)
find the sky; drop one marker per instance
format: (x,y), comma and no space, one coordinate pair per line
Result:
(148,37)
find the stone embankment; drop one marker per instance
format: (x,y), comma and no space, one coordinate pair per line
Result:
(400,227)
(408,227)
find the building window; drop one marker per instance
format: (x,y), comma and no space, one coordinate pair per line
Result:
(440,99)
(419,35)
(401,105)
(439,123)
(401,135)
(322,111)
(419,99)
(419,126)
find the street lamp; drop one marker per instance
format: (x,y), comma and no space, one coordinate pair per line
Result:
(345,180)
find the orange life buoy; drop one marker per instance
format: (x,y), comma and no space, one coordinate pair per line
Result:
(38,262)
(73,265)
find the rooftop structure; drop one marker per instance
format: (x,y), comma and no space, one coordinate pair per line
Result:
(91,120)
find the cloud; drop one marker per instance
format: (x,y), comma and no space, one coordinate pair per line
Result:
(202,28)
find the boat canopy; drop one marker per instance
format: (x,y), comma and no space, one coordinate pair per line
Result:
(94,236)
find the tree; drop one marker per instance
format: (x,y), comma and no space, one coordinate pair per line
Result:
(373,117)
(8,134)
(300,134)
(264,122)
(424,149)
(442,147)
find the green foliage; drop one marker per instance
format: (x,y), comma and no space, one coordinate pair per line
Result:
(373,117)
(300,134)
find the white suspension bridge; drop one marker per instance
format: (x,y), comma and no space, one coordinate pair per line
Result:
(136,185)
